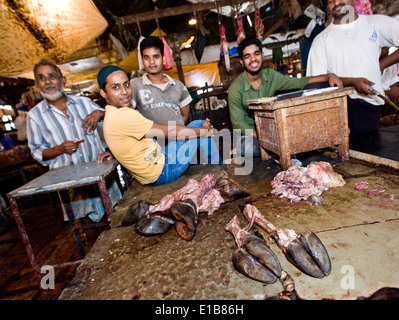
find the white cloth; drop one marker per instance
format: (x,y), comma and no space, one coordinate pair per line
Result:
(20,125)
(353,50)
(390,76)
(141,66)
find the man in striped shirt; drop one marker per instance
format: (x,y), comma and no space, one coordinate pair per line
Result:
(62,131)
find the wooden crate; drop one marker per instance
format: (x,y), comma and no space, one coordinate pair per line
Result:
(302,124)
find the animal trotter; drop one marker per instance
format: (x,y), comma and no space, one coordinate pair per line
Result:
(305,251)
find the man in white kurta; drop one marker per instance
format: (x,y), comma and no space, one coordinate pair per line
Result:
(350,47)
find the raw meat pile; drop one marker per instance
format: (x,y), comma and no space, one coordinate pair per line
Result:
(203,193)
(300,183)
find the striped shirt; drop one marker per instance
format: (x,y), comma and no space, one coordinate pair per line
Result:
(48,127)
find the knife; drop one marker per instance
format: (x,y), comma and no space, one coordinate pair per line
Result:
(375,92)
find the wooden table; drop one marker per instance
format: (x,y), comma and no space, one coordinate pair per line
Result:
(60,180)
(302,124)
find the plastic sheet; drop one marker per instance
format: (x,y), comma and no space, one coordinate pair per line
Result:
(31,30)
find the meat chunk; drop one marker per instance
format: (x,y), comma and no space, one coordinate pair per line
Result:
(299,183)
(361,185)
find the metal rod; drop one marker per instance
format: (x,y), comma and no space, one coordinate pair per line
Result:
(69,212)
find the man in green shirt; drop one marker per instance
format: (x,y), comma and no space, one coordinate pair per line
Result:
(256,83)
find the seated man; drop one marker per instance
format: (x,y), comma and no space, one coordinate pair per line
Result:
(162,99)
(129,135)
(62,131)
(256,82)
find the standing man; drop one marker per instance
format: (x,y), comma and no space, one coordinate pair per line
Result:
(256,82)
(162,99)
(350,47)
(62,131)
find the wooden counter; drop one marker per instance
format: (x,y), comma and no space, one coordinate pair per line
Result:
(302,124)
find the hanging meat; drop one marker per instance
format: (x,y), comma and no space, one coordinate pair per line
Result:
(224,47)
(259,27)
(167,54)
(240,29)
(199,44)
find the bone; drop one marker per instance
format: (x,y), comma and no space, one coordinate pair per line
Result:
(282,236)
(234,228)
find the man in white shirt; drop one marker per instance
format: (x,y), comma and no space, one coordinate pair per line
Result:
(62,131)
(350,47)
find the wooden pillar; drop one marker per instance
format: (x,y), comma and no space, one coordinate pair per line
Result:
(177,58)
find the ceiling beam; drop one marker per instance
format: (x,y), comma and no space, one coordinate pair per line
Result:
(174,11)
(273,28)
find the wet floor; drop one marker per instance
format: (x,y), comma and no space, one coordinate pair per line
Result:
(383,143)
(358,230)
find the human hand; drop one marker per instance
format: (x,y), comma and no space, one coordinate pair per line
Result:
(393,93)
(334,80)
(69,146)
(105,155)
(90,122)
(362,85)
(208,126)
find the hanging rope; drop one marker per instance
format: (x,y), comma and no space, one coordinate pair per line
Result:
(217,9)
(159,29)
(138,25)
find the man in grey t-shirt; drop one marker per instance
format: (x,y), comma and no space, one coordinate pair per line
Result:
(157,96)
(162,99)
(163,102)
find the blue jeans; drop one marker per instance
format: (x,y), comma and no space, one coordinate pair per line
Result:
(248,147)
(179,155)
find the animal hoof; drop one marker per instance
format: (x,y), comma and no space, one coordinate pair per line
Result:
(231,190)
(315,247)
(257,248)
(185,214)
(135,212)
(252,268)
(309,255)
(155,223)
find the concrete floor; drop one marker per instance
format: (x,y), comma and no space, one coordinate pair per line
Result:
(52,242)
(358,230)
(383,143)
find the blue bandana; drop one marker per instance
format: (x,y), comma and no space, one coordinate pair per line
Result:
(104,73)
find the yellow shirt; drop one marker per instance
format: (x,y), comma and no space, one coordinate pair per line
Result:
(124,132)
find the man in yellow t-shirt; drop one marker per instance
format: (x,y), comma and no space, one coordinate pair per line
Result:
(130,136)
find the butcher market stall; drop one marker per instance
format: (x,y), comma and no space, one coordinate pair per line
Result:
(358,227)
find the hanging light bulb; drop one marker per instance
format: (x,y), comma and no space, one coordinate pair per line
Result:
(192,21)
